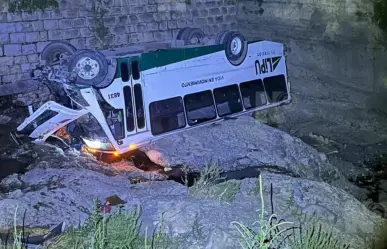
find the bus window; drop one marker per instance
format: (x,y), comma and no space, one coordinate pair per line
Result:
(275,87)
(124,72)
(139,106)
(253,94)
(167,115)
(199,107)
(135,70)
(129,109)
(227,100)
(42,118)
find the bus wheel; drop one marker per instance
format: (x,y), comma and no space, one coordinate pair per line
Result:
(52,52)
(90,66)
(235,47)
(191,36)
(182,33)
(220,37)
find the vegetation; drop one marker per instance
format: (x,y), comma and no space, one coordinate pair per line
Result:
(30,5)
(212,185)
(380,14)
(121,229)
(378,17)
(99,29)
(261,239)
(316,238)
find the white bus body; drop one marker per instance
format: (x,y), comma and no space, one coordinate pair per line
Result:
(159,93)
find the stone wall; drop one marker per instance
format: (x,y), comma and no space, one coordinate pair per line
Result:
(111,23)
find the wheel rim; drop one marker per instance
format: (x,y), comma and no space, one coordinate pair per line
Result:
(87,68)
(56,57)
(195,40)
(236,46)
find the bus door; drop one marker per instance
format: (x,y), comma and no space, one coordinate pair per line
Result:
(134,98)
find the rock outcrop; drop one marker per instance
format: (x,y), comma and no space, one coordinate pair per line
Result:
(242,143)
(51,196)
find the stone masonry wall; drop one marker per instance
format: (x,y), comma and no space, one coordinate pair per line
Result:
(115,23)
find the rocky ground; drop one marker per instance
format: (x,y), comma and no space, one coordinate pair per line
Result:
(324,154)
(56,185)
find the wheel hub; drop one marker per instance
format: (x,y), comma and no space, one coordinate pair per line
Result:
(236,46)
(195,40)
(87,68)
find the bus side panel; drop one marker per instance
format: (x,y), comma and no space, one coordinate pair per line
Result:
(264,59)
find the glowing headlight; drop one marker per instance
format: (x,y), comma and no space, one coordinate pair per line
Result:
(95,144)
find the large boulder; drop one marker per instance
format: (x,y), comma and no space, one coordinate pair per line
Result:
(51,196)
(242,143)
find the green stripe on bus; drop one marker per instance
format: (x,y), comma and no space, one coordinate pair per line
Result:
(161,58)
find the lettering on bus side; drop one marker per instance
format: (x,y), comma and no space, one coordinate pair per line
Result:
(202,81)
(266,53)
(267,65)
(113,95)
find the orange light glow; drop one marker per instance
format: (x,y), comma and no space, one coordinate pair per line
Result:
(92,150)
(132,146)
(116,153)
(62,132)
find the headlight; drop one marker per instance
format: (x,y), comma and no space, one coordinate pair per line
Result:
(98,145)
(93,144)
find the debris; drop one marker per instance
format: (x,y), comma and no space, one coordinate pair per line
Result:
(114,200)
(15,138)
(38,240)
(105,208)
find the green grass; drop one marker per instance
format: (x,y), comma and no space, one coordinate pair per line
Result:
(262,238)
(15,243)
(209,185)
(316,238)
(121,229)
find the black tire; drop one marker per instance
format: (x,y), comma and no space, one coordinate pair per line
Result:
(53,50)
(111,72)
(192,36)
(220,37)
(182,33)
(93,59)
(235,58)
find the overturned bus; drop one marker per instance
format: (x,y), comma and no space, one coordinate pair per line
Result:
(135,98)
